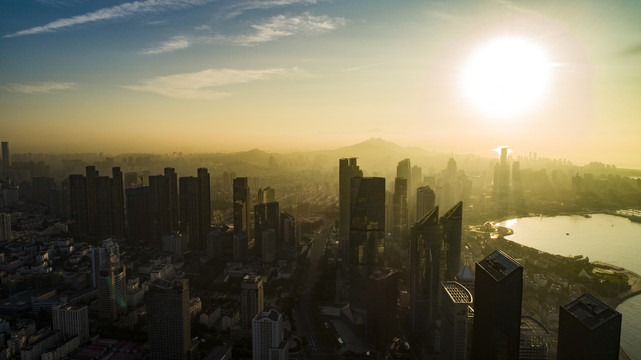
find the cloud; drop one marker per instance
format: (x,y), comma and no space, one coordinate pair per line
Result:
(282,26)
(39,87)
(202,85)
(240,6)
(631,51)
(356,68)
(109,13)
(174,43)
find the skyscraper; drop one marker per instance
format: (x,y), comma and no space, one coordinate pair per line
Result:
(367,234)
(172,190)
(266,217)
(78,205)
(534,340)
(118,200)
(103,222)
(347,169)
(241,215)
(588,329)
(195,209)
(140,224)
(160,209)
(6,156)
(400,215)
(205,208)
(266,195)
(452,224)
(169,319)
(425,201)
(456,321)
(5,227)
(112,285)
(498,289)
(251,301)
(90,188)
(382,300)
(288,232)
(424,277)
(267,336)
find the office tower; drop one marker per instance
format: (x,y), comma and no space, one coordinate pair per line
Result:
(6,156)
(502,174)
(424,274)
(465,277)
(78,205)
(268,245)
(72,320)
(452,226)
(241,210)
(251,301)
(90,188)
(400,224)
(404,170)
(425,201)
(382,303)
(457,317)
(241,245)
(112,286)
(172,190)
(103,223)
(588,329)
(266,195)
(101,255)
(5,228)
(118,201)
(140,226)
(160,210)
(367,235)
(195,209)
(535,340)
(498,288)
(169,321)
(347,169)
(266,216)
(268,342)
(452,169)
(288,231)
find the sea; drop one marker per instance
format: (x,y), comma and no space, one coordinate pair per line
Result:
(608,238)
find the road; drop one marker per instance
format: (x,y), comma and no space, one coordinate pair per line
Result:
(317,346)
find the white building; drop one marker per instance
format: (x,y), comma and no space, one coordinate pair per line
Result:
(267,336)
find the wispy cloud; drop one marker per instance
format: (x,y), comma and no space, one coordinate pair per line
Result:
(109,13)
(39,87)
(174,43)
(282,26)
(203,85)
(240,6)
(356,68)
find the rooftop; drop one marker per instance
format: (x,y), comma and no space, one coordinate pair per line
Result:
(499,265)
(591,311)
(457,292)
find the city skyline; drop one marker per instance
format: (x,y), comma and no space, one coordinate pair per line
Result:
(161,76)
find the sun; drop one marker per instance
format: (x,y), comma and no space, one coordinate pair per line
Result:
(506,77)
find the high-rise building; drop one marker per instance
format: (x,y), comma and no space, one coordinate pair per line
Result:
(90,175)
(400,224)
(457,317)
(382,303)
(465,277)
(241,213)
(288,232)
(140,223)
(266,195)
(100,255)
(266,216)
(205,208)
(195,209)
(118,200)
(498,289)
(172,190)
(5,227)
(251,301)
(424,274)
(347,169)
(160,209)
(588,329)
(452,226)
(425,201)
(268,245)
(367,235)
(502,173)
(169,320)
(268,342)
(78,205)
(534,340)
(112,287)
(103,222)
(72,320)
(6,156)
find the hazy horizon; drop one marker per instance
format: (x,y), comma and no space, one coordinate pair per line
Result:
(306,75)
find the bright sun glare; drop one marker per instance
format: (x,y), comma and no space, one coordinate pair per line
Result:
(506,77)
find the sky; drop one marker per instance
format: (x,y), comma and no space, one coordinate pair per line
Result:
(293,75)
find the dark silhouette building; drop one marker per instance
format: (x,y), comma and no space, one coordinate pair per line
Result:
(78,205)
(169,319)
(195,209)
(266,217)
(118,201)
(171,179)
(425,201)
(160,209)
(242,203)
(347,169)
(382,304)
(498,289)
(424,274)
(588,329)
(452,225)
(400,214)
(367,234)
(139,215)
(534,341)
